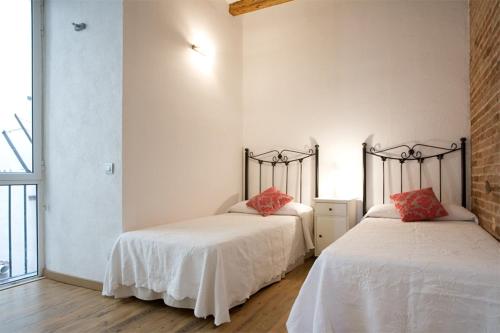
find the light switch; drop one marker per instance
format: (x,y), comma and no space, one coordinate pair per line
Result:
(109,168)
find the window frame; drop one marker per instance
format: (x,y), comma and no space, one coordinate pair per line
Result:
(35,177)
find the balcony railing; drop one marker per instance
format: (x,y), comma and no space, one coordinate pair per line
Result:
(18,232)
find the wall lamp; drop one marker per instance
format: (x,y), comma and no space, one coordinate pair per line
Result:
(199,49)
(79,26)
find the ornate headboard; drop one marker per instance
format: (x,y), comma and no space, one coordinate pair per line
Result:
(405,153)
(284,157)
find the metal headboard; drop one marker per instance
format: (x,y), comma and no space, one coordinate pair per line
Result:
(275,157)
(414,153)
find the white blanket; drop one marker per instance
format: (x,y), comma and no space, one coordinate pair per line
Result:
(388,276)
(209,264)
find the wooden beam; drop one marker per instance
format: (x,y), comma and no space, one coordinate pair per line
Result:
(247,6)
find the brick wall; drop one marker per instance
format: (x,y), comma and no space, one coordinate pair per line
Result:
(485,111)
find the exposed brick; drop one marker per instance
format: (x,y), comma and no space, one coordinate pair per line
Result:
(484,69)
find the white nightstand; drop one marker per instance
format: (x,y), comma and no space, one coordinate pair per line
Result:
(332,219)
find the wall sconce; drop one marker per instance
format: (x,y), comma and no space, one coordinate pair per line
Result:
(204,56)
(79,26)
(199,49)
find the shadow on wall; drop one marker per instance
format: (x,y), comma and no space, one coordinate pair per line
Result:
(369,186)
(228,203)
(312,170)
(359,211)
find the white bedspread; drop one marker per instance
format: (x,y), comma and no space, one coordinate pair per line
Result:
(388,276)
(209,264)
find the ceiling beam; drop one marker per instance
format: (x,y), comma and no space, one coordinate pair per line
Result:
(246,6)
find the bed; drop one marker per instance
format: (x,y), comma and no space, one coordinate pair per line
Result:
(213,263)
(385,275)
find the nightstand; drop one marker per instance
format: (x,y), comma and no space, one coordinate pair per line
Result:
(332,219)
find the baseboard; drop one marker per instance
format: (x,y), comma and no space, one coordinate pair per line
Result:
(73,280)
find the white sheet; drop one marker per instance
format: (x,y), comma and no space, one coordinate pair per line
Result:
(388,276)
(210,264)
(292,208)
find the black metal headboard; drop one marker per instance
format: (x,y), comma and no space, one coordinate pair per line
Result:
(414,154)
(275,157)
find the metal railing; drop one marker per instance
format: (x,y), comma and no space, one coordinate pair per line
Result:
(6,133)
(18,232)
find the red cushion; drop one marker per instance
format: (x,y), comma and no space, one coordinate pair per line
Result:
(418,205)
(269,201)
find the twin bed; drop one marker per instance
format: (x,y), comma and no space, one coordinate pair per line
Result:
(386,275)
(382,276)
(209,264)
(214,263)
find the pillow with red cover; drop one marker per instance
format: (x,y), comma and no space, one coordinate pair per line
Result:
(269,201)
(419,205)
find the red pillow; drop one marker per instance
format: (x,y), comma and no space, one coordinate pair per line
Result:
(269,201)
(419,205)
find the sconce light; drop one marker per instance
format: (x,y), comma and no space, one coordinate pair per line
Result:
(79,26)
(204,56)
(198,49)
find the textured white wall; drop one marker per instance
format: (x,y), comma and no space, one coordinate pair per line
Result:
(332,72)
(342,72)
(83,124)
(182,123)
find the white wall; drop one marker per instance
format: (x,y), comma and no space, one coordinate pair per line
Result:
(83,124)
(342,72)
(332,72)
(181,111)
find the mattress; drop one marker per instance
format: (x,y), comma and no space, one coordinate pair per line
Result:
(389,276)
(209,264)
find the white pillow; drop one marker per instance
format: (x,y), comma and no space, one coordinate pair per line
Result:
(457,213)
(294,209)
(388,211)
(291,208)
(241,207)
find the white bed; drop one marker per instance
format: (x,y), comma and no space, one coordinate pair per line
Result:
(208,264)
(389,276)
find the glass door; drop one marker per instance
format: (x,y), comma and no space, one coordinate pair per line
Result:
(20,138)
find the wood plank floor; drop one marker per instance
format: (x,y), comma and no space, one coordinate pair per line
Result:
(49,306)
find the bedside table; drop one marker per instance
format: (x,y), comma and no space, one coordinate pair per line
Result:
(332,219)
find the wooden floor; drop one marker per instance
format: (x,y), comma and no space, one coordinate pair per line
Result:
(49,306)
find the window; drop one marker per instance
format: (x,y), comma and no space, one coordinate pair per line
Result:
(16,110)
(20,137)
